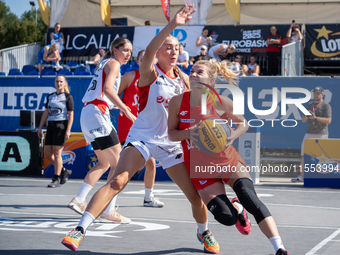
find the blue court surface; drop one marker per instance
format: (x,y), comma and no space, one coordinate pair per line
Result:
(34,220)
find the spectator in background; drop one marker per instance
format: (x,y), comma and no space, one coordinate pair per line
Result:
(220,51)
(58,37)
(238,66)
(293,33)
(147,23)
(203,39)
(59,114)
(95,60)
(202,56)
(253,67)
(183,57)
(317,123)
(46,54)
(273,51)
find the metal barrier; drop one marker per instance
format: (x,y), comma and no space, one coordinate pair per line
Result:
(17,57)
(292,60)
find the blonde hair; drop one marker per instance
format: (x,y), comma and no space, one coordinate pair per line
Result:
(119,42)
(55,46)
(66,87)
(232,47)
(222,68)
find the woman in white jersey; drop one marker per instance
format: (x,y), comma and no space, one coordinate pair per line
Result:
(100,97)
(148,137)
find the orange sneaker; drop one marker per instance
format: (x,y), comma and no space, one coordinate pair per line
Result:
(210,244)
(73,239)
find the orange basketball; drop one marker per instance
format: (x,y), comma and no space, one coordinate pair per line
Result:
(213,134)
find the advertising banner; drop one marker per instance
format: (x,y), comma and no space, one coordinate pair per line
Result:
(322,41)
(86,41)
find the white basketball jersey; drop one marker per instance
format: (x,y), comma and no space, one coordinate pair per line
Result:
(96,87)
(152,123)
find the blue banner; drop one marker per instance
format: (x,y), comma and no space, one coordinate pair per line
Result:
(29,93)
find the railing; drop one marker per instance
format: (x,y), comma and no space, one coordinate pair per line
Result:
(17,57)
(292,61)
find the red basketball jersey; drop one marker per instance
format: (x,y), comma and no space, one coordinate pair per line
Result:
(196,159)
(130,98)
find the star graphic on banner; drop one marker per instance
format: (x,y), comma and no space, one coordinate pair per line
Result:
(323,32)
(322,159)
(93,159)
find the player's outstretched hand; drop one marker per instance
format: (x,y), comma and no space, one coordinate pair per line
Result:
(184,14)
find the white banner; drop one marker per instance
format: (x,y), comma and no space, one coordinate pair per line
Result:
(187,35)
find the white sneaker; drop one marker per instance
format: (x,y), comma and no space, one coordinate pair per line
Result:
(153,202)
(297,179)
(78,207)
(113,217)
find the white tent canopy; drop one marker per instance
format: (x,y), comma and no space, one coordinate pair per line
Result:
(87,12)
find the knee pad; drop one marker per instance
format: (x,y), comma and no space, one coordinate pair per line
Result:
(223,211)
(244,189)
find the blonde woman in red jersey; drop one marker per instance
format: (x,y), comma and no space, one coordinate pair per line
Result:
(211,186)
(129,87)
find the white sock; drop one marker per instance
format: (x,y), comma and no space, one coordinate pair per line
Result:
(276,242)
(202,227)
(112,205)
(148,194)
(86,220)
(240,207)
(83,192)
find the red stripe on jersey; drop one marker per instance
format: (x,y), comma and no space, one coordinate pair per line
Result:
(143,95)
(166,74)
(103,81)
(102,105)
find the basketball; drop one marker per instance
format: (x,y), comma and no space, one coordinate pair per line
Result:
(213,134)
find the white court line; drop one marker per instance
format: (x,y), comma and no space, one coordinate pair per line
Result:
(323,242)
(68,218)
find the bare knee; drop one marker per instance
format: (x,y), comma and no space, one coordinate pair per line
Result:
(118,182)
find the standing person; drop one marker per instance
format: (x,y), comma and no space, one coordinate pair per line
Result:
(203,39)
(183,57)
(46,54)
(59,114)
(317,123)
(130,98)
(273,51)
(220,51)
(183,127)
(148,137)
(294,33)
(100,97)
(58,37)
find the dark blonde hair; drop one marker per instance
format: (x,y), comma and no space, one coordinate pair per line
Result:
(222,68)
(119,42)
(66,88)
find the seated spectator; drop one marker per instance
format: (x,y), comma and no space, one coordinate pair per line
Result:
(293,33)
(237,66)
(58,37)
(95,60)
(203,55)
(253,67)
(46,54)
(183,57)
(220,51)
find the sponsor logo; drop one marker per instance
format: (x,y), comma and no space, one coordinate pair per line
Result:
(93,85)
(203,182)
(96,130)
(179,156)
(54,111)
(247,144)
(160,99)
(68,157)
(187,120)
(183,113)
(327,43)
(212,208)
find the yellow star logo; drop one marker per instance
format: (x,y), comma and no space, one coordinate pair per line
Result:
(322,159)
(93,159)
(323,32)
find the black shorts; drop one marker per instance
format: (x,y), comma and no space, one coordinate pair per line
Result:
(55,134)
(102,143)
